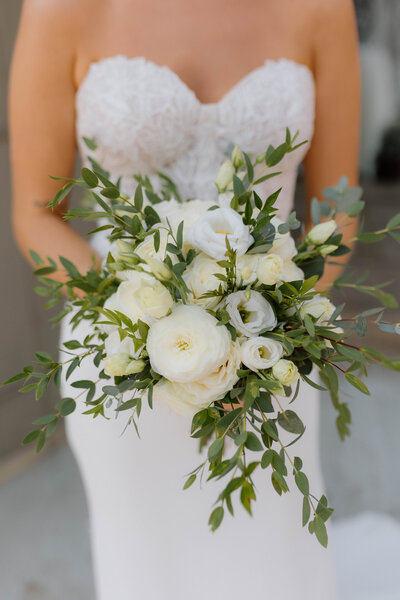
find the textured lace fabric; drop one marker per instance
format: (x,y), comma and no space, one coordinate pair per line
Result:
(145,119)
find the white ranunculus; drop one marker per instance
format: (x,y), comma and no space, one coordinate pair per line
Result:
(120,364)
(188,344)
(246,268)
(319,307)
(291,272)
(269,269)
(285,371)
(250,313)
(200,278)
(321,232)
(209,232)
(260,353)
(141,296)
(225,175)
(188,398)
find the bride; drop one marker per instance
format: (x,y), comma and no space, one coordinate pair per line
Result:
(166,85)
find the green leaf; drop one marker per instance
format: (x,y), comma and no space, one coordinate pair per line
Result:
(89,177)
(354,209)
(320,531)
(138,198)
(306,511)
(110,192)
(253,442)
(45,419)
(67,407)
(31,437)
(90,143)
(216,518)
(41,440)
(357,383)
(276,155)
(266,459)
(189,481)
(270,429)
(215,449)
(70,268)
(302,482)
(36,258)
(309,325)
(289,421)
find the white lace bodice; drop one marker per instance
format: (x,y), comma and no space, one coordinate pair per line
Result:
(145,119)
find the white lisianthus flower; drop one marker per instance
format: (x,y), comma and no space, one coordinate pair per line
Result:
(285,371)
(208,233)
(327,249)
(176,212)
(321,232)
(146,248)
(250,313)
(119,364)
(225,175)
(200,278)
(188,344)
(318,307)
(225,199)
(269,269)
(188,398)
(246,267)
(291,272)
(141,296)
(260,353)
(114,345)
(283,243)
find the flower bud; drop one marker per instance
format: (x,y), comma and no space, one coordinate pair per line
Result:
(121,363)
(224,176)
(285,371)
(327,249)
(158,268)
(321,232)
(237,157)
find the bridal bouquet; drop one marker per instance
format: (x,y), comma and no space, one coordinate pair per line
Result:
(210,308)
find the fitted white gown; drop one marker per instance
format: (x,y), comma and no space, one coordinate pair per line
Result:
(150,539)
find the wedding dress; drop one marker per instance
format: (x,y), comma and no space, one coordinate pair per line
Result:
(150,539)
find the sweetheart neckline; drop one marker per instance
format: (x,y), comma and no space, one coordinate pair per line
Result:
(266,63)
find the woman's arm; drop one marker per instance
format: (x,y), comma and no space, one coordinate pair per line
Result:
(335,145)
(42,131)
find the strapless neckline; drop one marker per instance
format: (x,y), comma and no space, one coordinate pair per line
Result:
(267,62)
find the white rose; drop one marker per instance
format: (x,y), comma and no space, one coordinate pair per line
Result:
(250,313)
(188,344)
(208,233)
(321,232)
(291,272)
(188,398)
(269,269)
(319,307)
(285,371)
(260,353)
(225,175)
(246,267)
(199,278)
(141,297)
(120,364)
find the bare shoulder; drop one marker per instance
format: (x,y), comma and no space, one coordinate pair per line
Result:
(59,14)
(331,13)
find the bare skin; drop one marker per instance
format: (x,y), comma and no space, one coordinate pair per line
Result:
(210,44)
